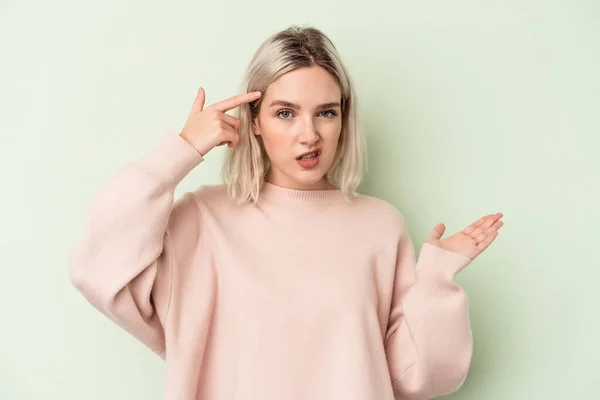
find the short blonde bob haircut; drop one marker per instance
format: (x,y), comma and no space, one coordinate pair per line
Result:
(247,164)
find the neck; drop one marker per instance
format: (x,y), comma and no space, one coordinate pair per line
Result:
(326,194)
(323,184)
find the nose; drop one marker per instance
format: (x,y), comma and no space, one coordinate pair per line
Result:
(309,134)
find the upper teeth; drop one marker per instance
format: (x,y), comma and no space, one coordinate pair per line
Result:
(311,155)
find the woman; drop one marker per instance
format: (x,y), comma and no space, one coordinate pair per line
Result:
(282,283)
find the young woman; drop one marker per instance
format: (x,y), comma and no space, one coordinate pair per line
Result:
(282,283)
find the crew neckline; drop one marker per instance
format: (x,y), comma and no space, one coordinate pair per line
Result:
(278,194)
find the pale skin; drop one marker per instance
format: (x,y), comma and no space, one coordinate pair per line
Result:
(472,240)
(300,112)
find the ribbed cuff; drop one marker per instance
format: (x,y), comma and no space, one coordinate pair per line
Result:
(434,260)
(171,159)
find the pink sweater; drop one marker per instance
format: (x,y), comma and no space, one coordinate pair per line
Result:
(301,296)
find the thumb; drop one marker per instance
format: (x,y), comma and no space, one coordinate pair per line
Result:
(198,103)
(438,231)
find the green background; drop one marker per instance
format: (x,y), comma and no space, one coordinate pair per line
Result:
(470,107)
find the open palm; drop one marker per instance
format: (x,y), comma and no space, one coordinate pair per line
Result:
(472,240)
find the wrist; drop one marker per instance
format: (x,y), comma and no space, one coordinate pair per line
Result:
(437,261)
(199,148)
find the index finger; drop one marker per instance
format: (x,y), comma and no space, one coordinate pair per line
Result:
(490,217)
(235,101)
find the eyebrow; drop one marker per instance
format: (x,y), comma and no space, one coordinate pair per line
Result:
(297,107)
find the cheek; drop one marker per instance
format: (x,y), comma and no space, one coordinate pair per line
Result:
(275,137)
(331,132)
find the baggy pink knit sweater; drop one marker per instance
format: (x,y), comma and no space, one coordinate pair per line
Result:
(302,296)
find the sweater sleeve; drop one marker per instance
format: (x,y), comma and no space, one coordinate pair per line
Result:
(429,340)
(122,263)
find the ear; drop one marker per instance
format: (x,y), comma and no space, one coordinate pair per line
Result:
(256,126)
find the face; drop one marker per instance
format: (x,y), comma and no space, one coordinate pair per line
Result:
(300,122)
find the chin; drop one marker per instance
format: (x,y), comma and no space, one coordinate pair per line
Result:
(309,179)
(299,178)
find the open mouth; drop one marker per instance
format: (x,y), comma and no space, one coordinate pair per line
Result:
(309,156)
(309,160)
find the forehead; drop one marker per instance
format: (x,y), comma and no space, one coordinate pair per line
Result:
(313,85)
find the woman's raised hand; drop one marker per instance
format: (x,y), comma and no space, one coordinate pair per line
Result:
(206,128)
(472,240)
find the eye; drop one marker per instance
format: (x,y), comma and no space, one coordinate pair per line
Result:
(285,114)
(330,113)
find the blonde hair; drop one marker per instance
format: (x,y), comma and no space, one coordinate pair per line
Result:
(246,165)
